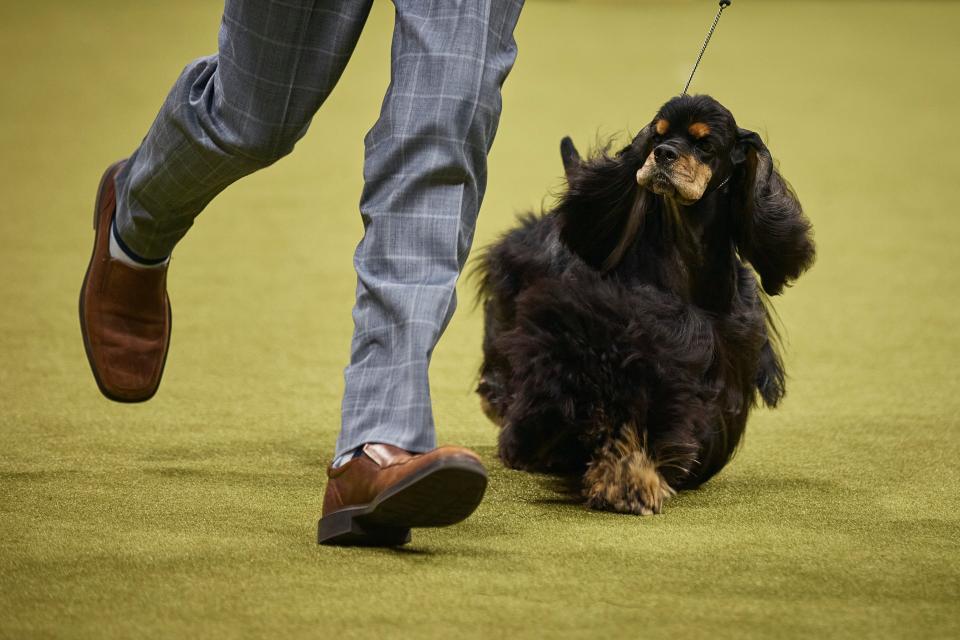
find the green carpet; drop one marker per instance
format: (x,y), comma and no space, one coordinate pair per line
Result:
(194,515)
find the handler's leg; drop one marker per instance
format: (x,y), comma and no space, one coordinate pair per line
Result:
(425,174)
(227,116)
(235,112)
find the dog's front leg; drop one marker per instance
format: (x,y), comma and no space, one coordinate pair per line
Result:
(623,476)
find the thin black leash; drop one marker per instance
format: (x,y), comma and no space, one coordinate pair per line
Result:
(723,5)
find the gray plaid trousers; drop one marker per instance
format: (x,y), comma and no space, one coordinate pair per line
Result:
(424,169)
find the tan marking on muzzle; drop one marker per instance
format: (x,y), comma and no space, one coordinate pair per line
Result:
(645,173)
(691,178)
(662,126)
(688,178)
(699,130)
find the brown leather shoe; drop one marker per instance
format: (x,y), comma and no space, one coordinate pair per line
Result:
(378,496)
(125,314)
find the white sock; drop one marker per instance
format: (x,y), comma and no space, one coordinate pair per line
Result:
(344,458)
(117,253)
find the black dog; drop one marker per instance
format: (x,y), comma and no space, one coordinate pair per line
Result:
(625,339)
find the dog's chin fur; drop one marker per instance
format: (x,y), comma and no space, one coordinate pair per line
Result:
(625,343)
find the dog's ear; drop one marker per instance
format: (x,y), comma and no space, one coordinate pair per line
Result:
(771,232)
(603,208)
(641,145)
(570,156)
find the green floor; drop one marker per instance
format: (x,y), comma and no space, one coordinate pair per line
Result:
(194,515)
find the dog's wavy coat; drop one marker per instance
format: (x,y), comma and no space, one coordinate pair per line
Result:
(625,338)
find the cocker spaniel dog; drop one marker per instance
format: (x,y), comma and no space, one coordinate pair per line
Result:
(626,339)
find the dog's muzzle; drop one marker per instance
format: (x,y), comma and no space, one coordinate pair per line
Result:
(671,175)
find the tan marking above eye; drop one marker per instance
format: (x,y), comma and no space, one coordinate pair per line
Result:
(662,126)
(699,130)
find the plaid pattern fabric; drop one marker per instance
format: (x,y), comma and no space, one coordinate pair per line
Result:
(424,171)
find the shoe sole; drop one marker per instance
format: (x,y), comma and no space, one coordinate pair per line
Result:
(441,494)
(109,174)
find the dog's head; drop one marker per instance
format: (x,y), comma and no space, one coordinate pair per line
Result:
(693,142)
(691,149)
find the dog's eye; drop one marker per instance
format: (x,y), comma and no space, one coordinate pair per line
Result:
(706,147)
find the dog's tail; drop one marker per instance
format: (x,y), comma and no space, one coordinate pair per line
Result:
(569,155)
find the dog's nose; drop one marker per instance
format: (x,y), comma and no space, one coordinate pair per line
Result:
(665,154)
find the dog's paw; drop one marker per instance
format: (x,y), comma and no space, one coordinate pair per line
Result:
(511,451)
(627,485)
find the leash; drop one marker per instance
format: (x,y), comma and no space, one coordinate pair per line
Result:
(723,5)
